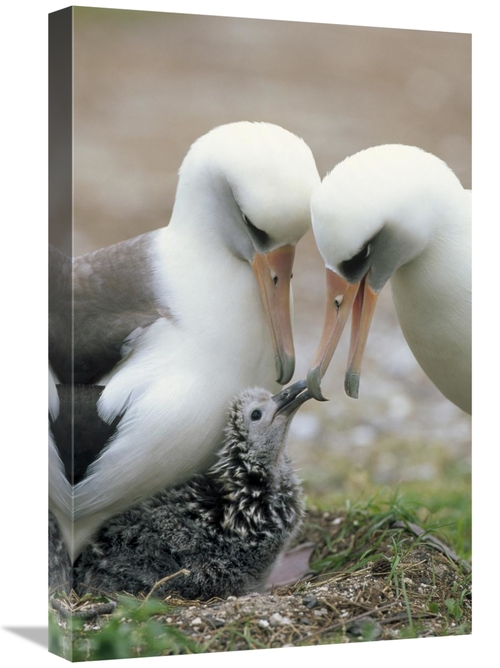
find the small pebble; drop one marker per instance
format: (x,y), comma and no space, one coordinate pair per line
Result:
(310,601)
(214,622)
(320,613)
(278,620)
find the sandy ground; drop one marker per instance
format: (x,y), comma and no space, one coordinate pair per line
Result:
(148,84)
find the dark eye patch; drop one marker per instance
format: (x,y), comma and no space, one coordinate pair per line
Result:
(353,267)
(262,237)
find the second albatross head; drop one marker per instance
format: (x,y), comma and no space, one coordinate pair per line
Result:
(382,209)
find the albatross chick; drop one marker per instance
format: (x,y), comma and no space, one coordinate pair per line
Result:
(227,527)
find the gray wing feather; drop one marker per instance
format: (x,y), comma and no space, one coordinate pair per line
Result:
(60,313)
(94,311)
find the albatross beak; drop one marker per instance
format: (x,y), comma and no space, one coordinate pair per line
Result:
(362,315)
(340,296)
(273,272)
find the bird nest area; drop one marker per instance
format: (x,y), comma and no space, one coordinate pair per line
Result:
(375,578)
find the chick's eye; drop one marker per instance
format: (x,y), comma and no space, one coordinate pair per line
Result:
(256,415)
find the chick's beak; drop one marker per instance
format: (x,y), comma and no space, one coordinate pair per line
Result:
(273,272)
(289,399)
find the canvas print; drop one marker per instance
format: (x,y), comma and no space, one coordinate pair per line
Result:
(259,334)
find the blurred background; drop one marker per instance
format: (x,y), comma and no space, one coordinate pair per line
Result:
(146,85)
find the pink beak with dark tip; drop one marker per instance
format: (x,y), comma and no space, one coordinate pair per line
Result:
(341,298)
(273,272)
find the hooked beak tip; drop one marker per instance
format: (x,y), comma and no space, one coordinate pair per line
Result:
(314,384)
(284,369)
(291,398)
(351,385)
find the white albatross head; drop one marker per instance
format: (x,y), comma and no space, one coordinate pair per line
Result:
(373,213)
(247,186)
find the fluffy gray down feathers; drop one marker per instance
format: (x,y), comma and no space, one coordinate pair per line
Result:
(227,527)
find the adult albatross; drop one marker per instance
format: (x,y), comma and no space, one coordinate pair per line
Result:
(397,212)
(173,323)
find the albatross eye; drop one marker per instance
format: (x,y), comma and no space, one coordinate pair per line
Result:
(261,236)
(362,255)
(256,415)
(351,267)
